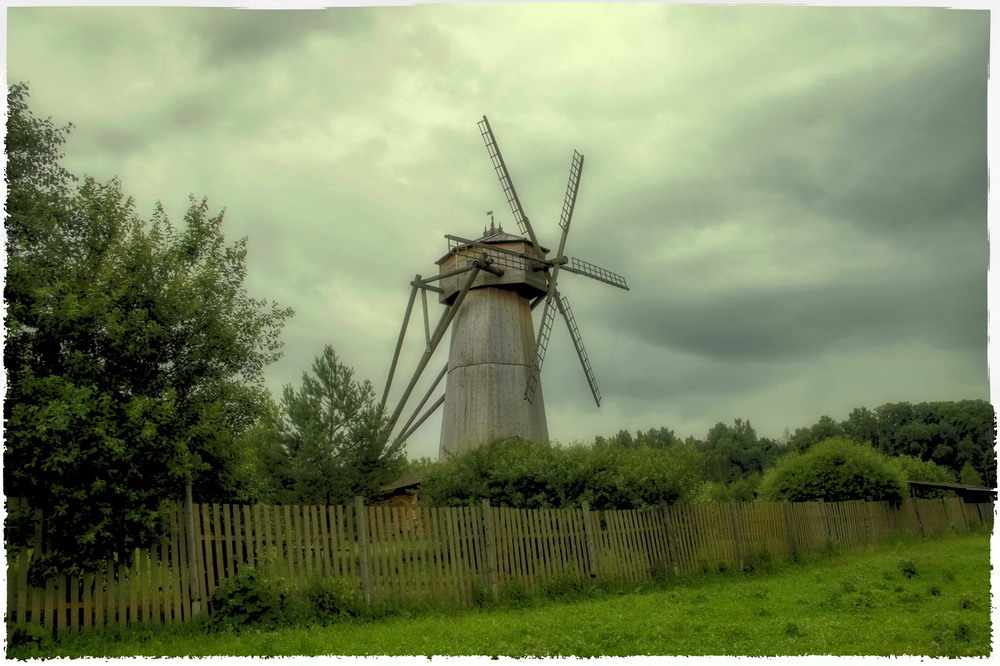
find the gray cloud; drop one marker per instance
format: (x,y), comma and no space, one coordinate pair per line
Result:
(795,323)
(241,37)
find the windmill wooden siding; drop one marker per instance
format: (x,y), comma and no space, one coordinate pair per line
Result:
(453,554)
(492,350)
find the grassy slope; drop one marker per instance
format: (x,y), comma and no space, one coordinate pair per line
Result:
(926,598)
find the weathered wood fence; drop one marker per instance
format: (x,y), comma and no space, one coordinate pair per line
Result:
(457,554)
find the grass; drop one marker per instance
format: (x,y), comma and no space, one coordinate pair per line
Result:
(909,598)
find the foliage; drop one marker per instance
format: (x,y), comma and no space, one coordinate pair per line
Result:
(950,434)
(249,599)
(28,639)
(520,474)
(654,438)
(969,476)
(834,470)
(332,599)
(331,439)
(134,356)
(741,490)
(734,452)
(915,469)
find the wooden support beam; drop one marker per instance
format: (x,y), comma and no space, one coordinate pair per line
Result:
(399,342)
(433,408)
(439,332)
(427,395)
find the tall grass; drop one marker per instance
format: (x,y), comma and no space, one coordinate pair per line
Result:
(908,598)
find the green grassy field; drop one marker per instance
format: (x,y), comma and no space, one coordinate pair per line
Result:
(912,598)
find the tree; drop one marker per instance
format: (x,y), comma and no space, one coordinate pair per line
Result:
(834,470)
(915,469)
(735,451)
(134,356)
(969,476)
(823,429)
(332,438)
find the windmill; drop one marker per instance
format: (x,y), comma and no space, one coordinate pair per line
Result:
(489,287)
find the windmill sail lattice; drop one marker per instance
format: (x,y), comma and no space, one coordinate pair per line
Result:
(489,287)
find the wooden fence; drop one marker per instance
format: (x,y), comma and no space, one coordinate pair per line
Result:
(457,554)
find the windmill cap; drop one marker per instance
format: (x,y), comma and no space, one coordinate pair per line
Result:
(500,236)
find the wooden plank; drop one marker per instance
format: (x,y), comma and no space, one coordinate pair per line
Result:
(467,556)
(363,546)
(394,552)
(346,545)
(324,517)
(506,565)
(560,555)
(178,563)
(381,584)
(520,519)
(238,539)
(152,584)
(270,539)
(308,547)
(447,550)
(434,565)
(454,555)
(284,529)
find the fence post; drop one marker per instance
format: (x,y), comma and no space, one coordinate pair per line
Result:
(491,549)
(672,554)
(366,570)
(193,570)
(588,531)
(737,533)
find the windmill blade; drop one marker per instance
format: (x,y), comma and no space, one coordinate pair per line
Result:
(508,187)
(575,171)
(581,267)
(541,344)
(574,333)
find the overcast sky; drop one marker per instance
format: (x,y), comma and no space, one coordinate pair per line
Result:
(797,196)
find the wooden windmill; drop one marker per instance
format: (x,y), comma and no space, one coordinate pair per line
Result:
(490,286)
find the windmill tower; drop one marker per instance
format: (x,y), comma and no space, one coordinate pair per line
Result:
(489,287)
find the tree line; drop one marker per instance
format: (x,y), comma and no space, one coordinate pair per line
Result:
(828,460)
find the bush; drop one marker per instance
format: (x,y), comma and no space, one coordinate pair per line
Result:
(332,599)
(249,599)
(915,469)
(28,639)
(520,474)
(837,469)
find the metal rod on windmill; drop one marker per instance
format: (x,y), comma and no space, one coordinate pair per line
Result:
(493,374)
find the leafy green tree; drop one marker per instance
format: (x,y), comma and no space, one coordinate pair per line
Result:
(520,474)
(657,438)
(332,438)
(134,356)
(834,470)
(825,428)
(969,476)
(735,451)
(915,469)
